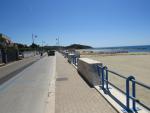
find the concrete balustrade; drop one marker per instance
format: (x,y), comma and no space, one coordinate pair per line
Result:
(88,69)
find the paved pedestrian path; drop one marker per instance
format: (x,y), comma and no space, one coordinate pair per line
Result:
(73,95)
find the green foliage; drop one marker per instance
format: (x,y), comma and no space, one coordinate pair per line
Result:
(23,47)
(2,39)
(11,49)
(73,46)
(34,45)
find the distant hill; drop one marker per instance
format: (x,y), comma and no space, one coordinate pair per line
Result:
(73,46)
(78,46)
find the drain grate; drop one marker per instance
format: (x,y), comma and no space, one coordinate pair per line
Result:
(62,79)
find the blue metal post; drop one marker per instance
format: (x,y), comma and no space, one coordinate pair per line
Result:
(128,93)
(98,70)
(134,95)
(103,77)
(75,60)
(106,78)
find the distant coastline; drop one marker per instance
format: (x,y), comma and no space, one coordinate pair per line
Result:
(122,49)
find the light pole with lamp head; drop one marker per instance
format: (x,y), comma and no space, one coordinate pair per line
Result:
(33,40)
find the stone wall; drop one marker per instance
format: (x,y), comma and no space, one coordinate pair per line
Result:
(28,54)
(9,55)
(12,55)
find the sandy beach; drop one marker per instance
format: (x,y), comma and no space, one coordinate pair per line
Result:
(136,64)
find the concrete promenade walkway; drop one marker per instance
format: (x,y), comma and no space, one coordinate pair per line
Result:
(73,95)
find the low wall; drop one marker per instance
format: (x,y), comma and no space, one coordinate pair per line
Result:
(9,55)
(12,55)
(88,69)
(28,54)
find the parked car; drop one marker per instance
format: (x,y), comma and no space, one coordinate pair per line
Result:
(20,56)
(51,53)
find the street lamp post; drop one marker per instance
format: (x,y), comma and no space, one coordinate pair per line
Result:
(33,38)
(58,43)
(43,45)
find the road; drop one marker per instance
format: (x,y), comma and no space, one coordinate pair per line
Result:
(27,92)
(11,69)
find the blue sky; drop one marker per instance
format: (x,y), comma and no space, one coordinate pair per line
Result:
(99,23)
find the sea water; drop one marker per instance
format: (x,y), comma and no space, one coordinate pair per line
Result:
(143,48)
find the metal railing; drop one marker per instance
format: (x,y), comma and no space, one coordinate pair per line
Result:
(103,73)
(75,60)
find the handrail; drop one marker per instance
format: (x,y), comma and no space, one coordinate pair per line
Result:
(142,84)
(113,72)
(75,60)
(122,76)
(105,82)
(123,91)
